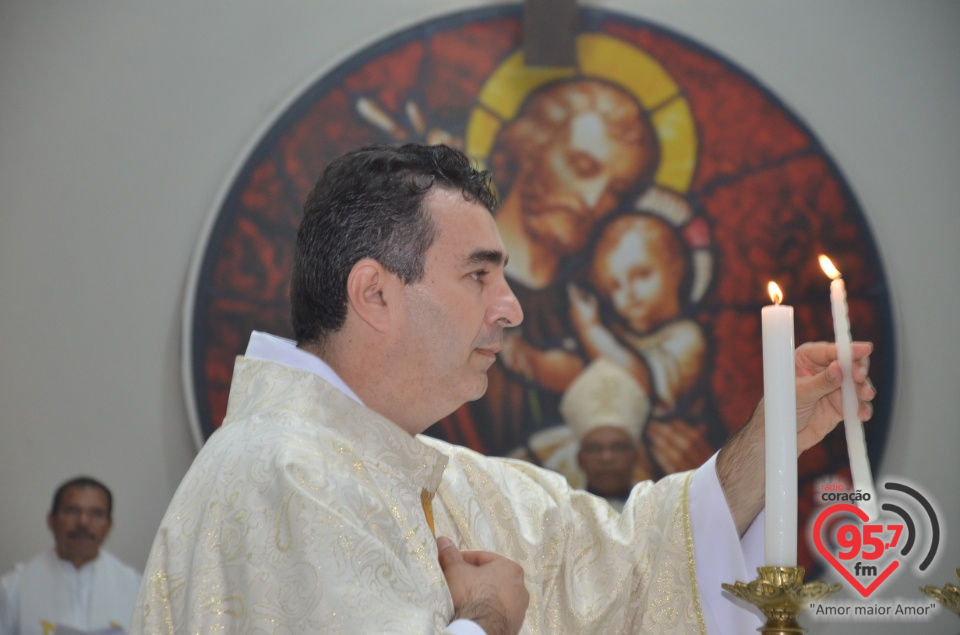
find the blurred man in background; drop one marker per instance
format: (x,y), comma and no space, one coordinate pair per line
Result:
(76,584)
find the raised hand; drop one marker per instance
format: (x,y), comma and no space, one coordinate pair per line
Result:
(819,410)
(819,407)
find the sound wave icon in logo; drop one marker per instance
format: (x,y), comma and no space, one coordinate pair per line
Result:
(934,523)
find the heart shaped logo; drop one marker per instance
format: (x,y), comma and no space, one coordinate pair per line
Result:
(876,543)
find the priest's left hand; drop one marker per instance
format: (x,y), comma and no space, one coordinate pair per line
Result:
(819,406)
(819,409)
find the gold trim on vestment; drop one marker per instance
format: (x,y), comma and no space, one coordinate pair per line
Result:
(691,561)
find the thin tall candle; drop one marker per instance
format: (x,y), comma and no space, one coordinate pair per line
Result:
(780,432)
(852,426)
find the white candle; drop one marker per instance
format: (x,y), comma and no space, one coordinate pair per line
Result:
(852,426)
(780,432)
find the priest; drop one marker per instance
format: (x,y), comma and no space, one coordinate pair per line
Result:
(320,506)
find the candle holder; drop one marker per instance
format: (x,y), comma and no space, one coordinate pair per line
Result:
(780,593)
(948,596)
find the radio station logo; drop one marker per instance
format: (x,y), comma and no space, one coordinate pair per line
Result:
(867,551)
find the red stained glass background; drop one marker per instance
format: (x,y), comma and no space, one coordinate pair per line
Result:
(770,194)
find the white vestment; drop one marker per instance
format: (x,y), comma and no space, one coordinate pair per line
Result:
(302,513)
(50,590)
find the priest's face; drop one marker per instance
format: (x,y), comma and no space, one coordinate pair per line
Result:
(80,523)
(453,318)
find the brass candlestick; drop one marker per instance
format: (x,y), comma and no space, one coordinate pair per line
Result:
(948,596)
(780,593)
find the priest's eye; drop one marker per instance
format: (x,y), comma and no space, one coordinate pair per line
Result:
(478,276)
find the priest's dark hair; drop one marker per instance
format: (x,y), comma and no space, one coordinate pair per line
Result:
(368,203)
(81,481)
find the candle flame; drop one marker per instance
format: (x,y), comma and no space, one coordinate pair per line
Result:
(828,268)
(775,293)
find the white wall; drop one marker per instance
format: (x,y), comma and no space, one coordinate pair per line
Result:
(121,122)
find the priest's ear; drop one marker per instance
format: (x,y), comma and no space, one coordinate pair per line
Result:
(372,293)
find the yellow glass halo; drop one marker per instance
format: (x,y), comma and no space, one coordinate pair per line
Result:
(601,57)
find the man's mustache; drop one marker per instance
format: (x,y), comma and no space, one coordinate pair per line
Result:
(80,533)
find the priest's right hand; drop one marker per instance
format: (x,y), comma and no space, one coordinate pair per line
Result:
(486,587)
